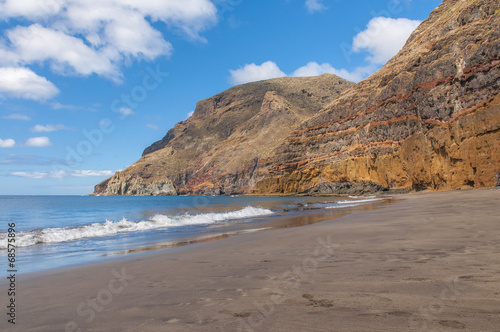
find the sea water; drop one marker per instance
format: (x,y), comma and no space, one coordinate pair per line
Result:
(60,231)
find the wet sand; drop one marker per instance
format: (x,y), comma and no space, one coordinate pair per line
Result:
(429,262)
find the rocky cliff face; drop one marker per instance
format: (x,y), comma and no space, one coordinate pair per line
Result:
(429,119)
(216,151)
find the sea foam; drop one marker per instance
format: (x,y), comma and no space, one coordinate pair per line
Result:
(109,228)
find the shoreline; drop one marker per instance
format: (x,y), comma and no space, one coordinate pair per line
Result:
(369,270)
(273,213)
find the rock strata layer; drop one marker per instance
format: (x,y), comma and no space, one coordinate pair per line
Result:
(429,119)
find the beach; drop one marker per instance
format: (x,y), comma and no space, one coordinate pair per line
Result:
(427,262)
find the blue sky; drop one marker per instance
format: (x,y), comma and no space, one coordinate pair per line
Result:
(86,85)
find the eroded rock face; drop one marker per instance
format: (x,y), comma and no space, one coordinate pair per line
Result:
(217,150)
(429,119)
(346,188)
(125,185)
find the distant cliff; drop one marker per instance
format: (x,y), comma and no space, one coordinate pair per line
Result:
(429,119)
(217,149)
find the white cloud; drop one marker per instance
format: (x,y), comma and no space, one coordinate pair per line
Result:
(384,37)
(190,114)
(39,142)
(31,175)
(29,9)
(62,174)
(84,37)
(66,54)
(24,83)
(315,6)
(126,111)
(49,128)
(252,72)
(86,173)
(59,106)
(7,143)
(269,69)
(16,116)
(134,36)
(316,69)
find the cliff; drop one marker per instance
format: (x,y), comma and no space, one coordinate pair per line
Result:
(216,150)
(429,119)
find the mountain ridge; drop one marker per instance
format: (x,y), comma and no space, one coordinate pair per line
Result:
(216,149)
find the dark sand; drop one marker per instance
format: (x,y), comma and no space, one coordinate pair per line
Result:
(430,262)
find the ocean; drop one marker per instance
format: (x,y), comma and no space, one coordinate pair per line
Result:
(62,231)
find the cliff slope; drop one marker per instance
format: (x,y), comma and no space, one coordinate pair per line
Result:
(429,119)
(216,150)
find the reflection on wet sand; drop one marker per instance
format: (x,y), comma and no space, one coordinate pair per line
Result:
(298,218)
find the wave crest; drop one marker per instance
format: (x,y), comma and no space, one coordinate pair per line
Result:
(109,228)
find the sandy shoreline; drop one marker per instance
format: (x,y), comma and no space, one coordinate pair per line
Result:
(426,263)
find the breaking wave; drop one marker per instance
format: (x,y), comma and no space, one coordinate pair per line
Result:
(108,228)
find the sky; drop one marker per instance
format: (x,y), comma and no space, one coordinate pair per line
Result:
(87,85)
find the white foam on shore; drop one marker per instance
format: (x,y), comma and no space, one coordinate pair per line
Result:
(108,228)
(361,201)
(353,202)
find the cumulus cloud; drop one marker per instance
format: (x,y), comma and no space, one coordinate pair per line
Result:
(62,174)
(66,54)
(24,83)
(49,128)
(7,143)
(85,37)
(316,69)
(384,37)
(29,9)
(16,116)
(40,142)
(315,6)
(252,72)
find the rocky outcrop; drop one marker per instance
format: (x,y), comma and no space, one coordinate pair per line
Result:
(123,184)
(429,119)
(217,150)
(346,188)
